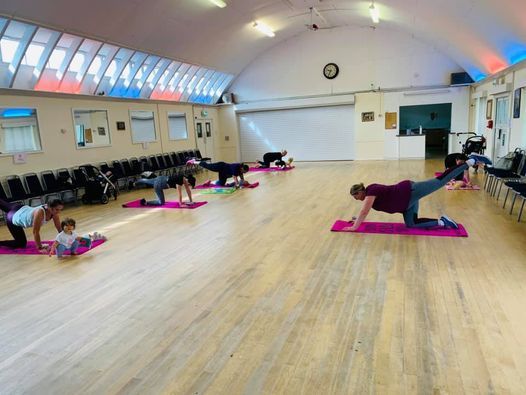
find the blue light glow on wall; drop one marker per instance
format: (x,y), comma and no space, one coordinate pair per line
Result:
(17,112)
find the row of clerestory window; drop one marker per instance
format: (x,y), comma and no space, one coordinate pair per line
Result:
(41,59)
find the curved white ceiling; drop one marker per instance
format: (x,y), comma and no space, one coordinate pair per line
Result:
(482,36)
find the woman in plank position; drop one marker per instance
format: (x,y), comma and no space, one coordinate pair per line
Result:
(224,170)
(404,197)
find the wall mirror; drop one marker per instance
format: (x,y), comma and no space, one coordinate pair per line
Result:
(19,130)
(91,128)
(142,126)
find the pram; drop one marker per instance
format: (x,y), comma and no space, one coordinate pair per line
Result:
(474,144)
(99,186)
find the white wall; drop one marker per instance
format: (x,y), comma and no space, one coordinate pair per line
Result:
(366,57)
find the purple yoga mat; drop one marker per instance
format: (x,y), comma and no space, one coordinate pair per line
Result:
(137,204)
(31,249)
(270,169)
(208,185)
(472,188)
(393,228)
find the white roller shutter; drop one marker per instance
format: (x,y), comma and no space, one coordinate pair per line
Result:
(320,133)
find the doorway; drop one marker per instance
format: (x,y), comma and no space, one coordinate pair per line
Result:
(205,137)
(501,136)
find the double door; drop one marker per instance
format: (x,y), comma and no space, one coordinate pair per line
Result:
(205,137)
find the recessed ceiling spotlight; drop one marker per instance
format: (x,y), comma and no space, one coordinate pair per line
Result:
(219,3)
(264,29)
(375,14)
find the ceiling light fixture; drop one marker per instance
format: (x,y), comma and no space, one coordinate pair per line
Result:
(264,29)
(375,14)
(219,3)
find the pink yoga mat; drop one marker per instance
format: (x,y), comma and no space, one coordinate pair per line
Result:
(392,228)
(472,188)
(137,204)
(209,184)
(270,169)
(31,249)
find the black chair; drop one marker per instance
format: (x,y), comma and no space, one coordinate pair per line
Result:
(492,173)
(52,185)
(19,192)
(145,164)
(154,165)
(126,168)
(168,163)
(136,166)
(511,175)
(67,184)
(517,188)
(80,177)
(119,174)
(162,165)
(3,196)
(35,188)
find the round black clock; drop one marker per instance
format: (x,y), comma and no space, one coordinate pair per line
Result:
(331,70)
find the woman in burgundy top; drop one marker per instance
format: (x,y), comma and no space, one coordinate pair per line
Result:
(403,198)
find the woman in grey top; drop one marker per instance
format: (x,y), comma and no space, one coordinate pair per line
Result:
(19,216)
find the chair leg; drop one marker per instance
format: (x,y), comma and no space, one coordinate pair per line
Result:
(506,197)
(513,203)
(491,178)
(522,208)
(500,188)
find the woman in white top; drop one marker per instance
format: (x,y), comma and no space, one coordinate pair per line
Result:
(19,217)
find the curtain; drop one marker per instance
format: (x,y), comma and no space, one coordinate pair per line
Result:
(21,138)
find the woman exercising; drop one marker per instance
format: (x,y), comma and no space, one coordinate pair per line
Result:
(403,198)
(19,217)
(224,170)
(453,160)
(160,183)
(270,157)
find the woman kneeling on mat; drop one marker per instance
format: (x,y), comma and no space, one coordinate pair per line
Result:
(160,183)
(225,170)
(403,198)
(276,157)
(19,217)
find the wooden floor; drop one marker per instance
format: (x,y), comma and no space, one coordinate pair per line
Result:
(252,294)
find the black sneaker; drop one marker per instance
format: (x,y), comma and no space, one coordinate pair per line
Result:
(143,202)
(448,222)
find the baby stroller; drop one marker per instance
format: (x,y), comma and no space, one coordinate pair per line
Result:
(99,186)
(475,144)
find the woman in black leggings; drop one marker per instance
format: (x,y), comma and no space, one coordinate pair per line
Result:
(19,217)
(270,157)
(224,170)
